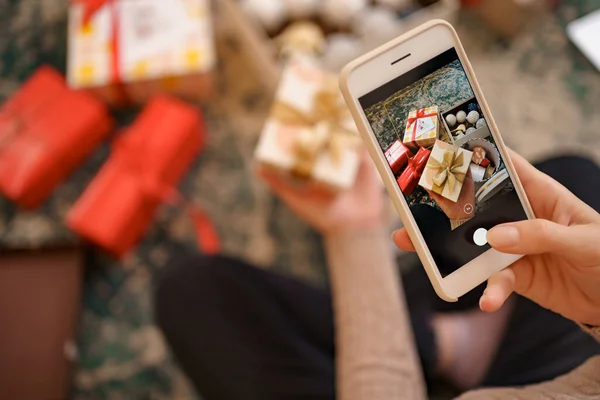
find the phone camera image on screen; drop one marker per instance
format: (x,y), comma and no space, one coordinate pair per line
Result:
(437,142)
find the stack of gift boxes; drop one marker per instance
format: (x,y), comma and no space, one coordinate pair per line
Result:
(420,158)
(120,53)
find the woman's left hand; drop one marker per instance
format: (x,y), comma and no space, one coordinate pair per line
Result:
(360,207)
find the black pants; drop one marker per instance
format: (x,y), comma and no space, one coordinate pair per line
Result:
(243,333)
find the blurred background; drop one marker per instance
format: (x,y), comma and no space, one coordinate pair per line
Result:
(76,318)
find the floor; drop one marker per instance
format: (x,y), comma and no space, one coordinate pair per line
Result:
(543,93)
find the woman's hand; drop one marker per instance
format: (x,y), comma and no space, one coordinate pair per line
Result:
(465,205)
(561,269)
(360,207)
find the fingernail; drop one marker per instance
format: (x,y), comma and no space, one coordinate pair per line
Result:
(393,234)
(503,236)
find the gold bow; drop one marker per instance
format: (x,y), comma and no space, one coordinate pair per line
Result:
(323,130)
(446,171)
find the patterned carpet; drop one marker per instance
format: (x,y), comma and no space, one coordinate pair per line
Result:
(543,93)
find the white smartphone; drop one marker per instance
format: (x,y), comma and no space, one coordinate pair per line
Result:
(427,126)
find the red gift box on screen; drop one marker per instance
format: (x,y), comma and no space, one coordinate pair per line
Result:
(145,165)
(46,131)
(397,155)
(409,178)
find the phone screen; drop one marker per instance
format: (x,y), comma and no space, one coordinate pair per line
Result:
(437,143)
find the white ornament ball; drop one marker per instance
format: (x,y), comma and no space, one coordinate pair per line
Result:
(270,13)
(473,117)
(340,12)
(480,123)
(376,24)
(459,136)
(340,49)
(470,130)
(396,4)
(451,120)
(461,117)
(299,9)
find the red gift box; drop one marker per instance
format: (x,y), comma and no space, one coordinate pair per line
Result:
(397,156)
(46,131)
(409,179)
(142,172)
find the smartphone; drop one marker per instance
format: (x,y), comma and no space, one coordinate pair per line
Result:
(429,130)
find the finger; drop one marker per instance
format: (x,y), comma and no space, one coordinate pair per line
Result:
(539,236)
(282,186)
(499,288)
(401,239)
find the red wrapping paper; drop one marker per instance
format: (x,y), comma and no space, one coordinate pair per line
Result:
(46,131)
(397,156)
(145,165)
(409,178)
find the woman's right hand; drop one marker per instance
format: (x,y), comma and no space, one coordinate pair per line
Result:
(561,267)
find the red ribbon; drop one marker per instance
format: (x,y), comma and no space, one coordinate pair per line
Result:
(132,156)
(413,120)
(90,7)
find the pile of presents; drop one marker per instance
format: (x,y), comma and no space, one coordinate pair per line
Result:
(428,156)
(120,53)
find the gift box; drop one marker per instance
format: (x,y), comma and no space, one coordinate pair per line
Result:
(409,178)
(127,51)
(446,170)
(309,133)
(397,156)
(46,131)
(422,127)
(141,173)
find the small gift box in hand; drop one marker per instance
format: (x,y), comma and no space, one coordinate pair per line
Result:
(128,51)
(46,131)
(309,133)
(145,165)
(409,178)
(422,127)
(446,170)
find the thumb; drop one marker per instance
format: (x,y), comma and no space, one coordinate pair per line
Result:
(538,236)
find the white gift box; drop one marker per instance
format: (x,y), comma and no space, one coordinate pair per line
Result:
(130,50)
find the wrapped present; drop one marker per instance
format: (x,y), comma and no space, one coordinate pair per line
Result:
(127,51)
(397,156)
(309,133)
(141,173)
(422,127)
(409,178)
(46,131)
(446,170)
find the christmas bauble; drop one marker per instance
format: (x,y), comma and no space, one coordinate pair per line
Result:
(461,117)
(299,9)
(339,13)
(376,24)
(472,117)
(451,120)
(472,107)
(461,128)
(303,38)
(395,4)
(470,130)
(480,123)
(270,13)
(340,49)
(459,136)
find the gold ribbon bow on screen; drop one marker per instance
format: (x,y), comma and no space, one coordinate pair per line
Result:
(323,130)
(447,171)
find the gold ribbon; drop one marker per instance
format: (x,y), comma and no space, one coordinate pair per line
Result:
(446,171)
(322,128)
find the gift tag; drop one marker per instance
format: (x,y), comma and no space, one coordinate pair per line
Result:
(150,27)
(424,126)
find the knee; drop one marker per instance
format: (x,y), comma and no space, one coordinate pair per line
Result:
(184,287)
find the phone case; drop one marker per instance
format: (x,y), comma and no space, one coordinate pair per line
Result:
(373,148)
